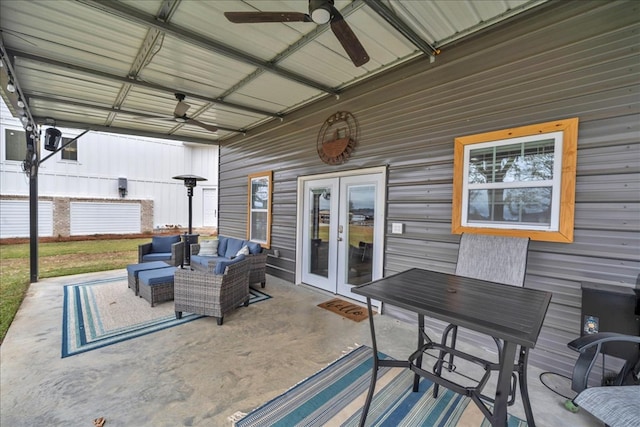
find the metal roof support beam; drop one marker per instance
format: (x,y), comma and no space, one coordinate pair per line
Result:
(113,77)
(134,15)
(404,29)
(126,131)
(111,110)
(151,44)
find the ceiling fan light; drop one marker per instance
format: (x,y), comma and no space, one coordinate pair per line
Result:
(321,15)
(11,87)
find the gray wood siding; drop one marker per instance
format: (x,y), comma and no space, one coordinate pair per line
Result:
(567,59)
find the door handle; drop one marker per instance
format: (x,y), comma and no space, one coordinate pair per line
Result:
(340,229)
(339,239)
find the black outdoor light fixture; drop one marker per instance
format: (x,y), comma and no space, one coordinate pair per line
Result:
(190,182)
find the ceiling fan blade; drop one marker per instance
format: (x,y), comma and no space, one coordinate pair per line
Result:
(258,17)
(195,122)
(181,109)
(348,40)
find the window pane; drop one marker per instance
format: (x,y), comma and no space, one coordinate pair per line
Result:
(259,226)
(361,199)
(259,193)
(15,145)
(514,205)
(70,152)
(530,161)
(319,221)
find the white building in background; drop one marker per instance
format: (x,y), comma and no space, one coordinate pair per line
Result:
(79,187)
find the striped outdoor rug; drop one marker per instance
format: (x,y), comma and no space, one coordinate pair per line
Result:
(335,395)
(105,312)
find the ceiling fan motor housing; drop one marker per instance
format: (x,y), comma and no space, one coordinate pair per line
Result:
(321,11)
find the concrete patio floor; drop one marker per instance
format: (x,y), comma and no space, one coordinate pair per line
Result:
(198,373)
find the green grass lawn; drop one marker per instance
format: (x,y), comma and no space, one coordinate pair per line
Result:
(57,259)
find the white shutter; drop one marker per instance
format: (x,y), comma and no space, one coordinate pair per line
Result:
(104,218)
(14,218)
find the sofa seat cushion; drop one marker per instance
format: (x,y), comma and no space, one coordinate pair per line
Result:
(221,266)
(204,260)
(162,244)
(161,256)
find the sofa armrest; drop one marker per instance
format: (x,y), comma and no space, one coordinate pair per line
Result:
(177,253)
(195,248)
(143,250)
(258,268)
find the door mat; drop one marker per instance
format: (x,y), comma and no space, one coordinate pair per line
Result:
(346,309)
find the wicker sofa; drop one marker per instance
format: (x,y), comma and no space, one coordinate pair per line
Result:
(226,249)
(213,293)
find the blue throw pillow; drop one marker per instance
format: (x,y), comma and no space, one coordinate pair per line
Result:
(221,266)
(161,244)
(254,248)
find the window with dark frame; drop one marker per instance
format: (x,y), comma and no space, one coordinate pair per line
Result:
(70,152)
(15,145)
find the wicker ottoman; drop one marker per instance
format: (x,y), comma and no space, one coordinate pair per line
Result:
(156,285)
(134,269)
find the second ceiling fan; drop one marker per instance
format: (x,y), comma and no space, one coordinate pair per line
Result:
(180,115)
(320,12)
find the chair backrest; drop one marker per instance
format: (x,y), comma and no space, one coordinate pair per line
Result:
(494,258)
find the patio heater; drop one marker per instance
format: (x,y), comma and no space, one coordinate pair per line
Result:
(189,238)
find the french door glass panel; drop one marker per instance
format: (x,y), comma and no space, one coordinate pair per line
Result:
(319,233)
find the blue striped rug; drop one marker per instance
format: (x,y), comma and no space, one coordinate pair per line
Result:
(105,312)
(335,395)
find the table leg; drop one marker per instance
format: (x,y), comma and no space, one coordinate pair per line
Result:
(507,355)
(374,371)
(416,377)
(524,389)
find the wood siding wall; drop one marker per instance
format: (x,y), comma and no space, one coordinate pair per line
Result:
(568,59)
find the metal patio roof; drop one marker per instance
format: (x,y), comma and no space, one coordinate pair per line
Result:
(115,65)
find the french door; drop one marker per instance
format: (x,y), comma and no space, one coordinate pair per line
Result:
(342,231)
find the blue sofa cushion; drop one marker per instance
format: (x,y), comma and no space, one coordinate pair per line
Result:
(163,243)
(160,256)
(233,246)
(222,245)
(254,248)
(222,265)
(204,260)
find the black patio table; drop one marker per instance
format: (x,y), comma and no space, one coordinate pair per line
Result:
(511,314)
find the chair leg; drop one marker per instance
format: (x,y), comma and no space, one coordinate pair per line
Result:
(219,320)
(178,315)
(263,284)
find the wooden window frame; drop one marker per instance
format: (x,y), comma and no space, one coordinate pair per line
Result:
(566,186)
(250,209)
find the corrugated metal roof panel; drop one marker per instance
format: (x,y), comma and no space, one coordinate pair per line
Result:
(132,55)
